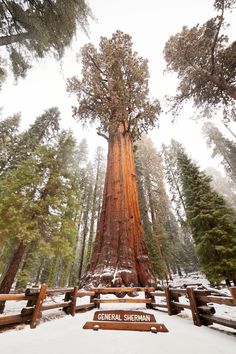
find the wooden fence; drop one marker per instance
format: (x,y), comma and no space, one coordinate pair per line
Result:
(199,302)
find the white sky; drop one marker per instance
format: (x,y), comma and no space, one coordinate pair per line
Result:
(150,24)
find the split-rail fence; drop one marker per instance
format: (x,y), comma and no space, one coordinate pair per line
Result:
(174,300)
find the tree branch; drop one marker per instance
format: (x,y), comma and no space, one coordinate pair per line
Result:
(215,41)
(103,135)
(6,40)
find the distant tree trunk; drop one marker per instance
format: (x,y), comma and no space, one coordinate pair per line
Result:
(9,277)
(85,232)
(120,255)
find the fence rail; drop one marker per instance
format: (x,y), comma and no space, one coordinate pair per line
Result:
(198,301)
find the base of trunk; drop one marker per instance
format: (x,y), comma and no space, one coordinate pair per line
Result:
(116,278)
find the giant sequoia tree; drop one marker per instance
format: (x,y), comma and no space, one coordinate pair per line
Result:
(205,61)
(114,91)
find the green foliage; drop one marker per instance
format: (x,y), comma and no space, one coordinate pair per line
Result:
(114,88)
(21,146)
(8,136)
(38,27)
(160,227)
(222,147)
(205,62)
(40,196)
(212,222)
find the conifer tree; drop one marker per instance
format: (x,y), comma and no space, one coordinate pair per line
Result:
(8,133)
(96,198)
(205,62)
(113,91)
(39,205)
(185,245)
(222,147)
(212,222)
(36,28)
(155,203)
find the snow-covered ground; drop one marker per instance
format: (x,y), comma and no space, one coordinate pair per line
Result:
(66,334)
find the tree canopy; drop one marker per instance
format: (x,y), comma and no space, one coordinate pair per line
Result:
(114,87)
(37,27)
(205,62)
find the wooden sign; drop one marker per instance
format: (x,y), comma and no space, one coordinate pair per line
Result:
(125,320)
(124,316)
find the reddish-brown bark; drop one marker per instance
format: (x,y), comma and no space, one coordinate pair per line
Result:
(120,255)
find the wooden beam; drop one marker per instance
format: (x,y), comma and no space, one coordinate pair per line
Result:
(73,301)
(178,291)
(110,301)
(159,293)
(233,293)
(12,319)
(26,311)
(17,297)
(38,306)
(182,306)
(220,320)
(151,297)
(130,326)
(85,293)
(85,307)
(56,306)
(194,307)
(206,310)
(59,291)
(217,300)
(159,305)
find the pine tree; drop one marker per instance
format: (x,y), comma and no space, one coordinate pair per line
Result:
(212,222)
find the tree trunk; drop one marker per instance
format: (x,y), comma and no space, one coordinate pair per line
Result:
(120,256)
(6,40)
(9,277)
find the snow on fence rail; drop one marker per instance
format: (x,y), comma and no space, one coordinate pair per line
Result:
(199,302)
(36,304)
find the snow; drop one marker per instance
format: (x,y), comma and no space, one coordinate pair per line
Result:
(66,333)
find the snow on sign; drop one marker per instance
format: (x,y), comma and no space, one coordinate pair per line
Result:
(125,320)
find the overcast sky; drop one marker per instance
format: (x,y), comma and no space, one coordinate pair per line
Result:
(150,23)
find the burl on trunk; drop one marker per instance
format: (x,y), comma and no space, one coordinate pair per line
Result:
(120,256)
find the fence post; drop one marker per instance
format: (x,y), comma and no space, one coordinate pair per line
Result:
(194,307)
(73,301)
(233,293)
(168,302)
(38,306)
(148,295)
(92,298)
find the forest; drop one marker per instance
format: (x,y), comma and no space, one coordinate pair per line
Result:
(135,214)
